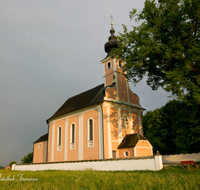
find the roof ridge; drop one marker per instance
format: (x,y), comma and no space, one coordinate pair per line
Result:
(85,91)
(79,101)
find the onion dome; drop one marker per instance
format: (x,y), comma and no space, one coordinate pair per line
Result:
(112,41)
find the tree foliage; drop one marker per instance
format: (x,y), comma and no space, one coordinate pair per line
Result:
(13,162)
(173,128)
(165,47)
(28,158)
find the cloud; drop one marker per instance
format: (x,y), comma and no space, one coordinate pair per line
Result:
(36,77)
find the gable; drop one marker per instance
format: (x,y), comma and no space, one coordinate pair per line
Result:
(42,138)
(130,141)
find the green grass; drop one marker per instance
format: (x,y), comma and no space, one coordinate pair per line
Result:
(172,177)
(2,168)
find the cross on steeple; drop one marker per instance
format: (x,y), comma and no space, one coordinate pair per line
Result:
(111,21)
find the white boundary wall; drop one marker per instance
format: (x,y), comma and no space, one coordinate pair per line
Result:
(168,159)
(153,163)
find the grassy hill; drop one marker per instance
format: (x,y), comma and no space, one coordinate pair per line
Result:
(2,168)
(172,177)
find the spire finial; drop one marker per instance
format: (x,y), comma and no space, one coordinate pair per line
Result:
(112,40)
(111,21)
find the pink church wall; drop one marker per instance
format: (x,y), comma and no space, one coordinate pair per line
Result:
(128,131)
(59,155)
(106,153)
(122,87)
(135,122)
(39,155)
(107,71)
(109,80)
(113,124)
(73,154)
(111,92)
(93,152)
(50,143)
(129,150)
(133,98)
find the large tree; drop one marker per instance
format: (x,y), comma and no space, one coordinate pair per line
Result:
(28,158)
(13,162)
(165,47)
(173,128)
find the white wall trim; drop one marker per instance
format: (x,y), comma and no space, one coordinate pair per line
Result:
(149,163)
(105,60)
(80,137)
(48,141)
(135,152)
(52,145)
(100,134)
(114,64)
(109,134)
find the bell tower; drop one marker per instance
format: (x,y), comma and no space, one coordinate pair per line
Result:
(113,72)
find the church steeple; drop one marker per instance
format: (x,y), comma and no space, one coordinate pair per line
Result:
(113,72)
(112,41)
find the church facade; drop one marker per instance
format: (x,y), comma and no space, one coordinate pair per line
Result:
(91,125)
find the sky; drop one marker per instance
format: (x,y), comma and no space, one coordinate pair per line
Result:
(51,50)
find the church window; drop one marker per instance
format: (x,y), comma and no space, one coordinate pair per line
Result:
(90,133)
(39,146)
(125,153)
(114,154)
(72,136)
(109,65)
(120,64)
(59,139)
(125,121)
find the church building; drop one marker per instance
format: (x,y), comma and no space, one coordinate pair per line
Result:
(101,123)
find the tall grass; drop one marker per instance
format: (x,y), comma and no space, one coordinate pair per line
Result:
(168,178)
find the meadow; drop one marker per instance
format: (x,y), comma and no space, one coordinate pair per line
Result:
(172,177)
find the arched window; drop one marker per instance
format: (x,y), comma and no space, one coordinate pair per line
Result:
(59,134)
(125,121)
(120,64)
(90,133)
(109,65)
(72,136)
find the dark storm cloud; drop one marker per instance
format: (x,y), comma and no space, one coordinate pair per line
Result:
(50,51)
